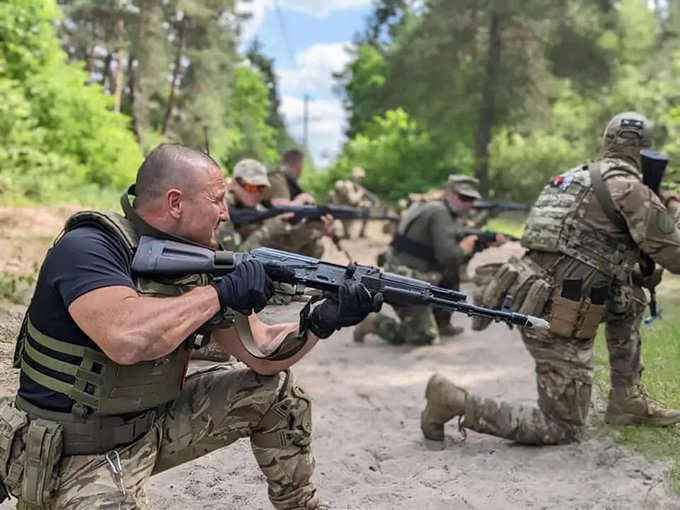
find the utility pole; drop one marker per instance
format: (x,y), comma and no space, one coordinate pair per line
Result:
(305,123)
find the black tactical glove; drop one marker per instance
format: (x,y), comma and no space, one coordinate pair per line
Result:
(352,304)
(246,289)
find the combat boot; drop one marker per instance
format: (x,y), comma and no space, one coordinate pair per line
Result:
(444,401)
(364,328)
(632,406)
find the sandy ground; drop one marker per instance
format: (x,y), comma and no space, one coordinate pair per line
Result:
(367,441)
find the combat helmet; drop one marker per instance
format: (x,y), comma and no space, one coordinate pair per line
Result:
(628,129)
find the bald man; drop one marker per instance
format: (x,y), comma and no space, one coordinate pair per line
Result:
(104,402)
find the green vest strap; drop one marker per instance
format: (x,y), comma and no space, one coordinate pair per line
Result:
(63,347)
(59,386)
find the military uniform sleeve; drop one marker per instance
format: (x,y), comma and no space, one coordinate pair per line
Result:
(354,194)
(445,232)
(650,224)
(279,187)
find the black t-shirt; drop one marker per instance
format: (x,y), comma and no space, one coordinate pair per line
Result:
(84,259)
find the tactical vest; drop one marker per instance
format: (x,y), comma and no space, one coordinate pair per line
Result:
(100,386)
(555,222)
(403,242)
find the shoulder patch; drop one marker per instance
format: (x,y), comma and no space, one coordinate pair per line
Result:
(665,222)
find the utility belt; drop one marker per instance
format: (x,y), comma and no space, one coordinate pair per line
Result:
(402,244)
(95,435)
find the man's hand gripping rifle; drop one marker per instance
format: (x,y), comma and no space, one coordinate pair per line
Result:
(155,256)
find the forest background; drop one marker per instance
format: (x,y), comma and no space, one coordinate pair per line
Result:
(512,91)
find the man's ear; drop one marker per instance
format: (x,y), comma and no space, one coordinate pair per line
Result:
(174,202)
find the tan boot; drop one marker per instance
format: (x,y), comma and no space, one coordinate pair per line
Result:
(444,401)
(632,406)
(364,328)
(450,330)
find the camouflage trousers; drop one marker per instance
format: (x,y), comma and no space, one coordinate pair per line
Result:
(217,406)
(417,326)
(622,331)
(450,280)
(564,379)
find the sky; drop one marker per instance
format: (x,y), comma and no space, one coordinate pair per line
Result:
(309,41)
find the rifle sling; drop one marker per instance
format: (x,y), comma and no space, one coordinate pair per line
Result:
(604,198)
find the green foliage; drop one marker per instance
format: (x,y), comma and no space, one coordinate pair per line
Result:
(253,136)
(565,69)
(55,132)
(398,156)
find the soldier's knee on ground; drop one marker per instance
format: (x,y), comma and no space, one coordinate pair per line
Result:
(565,400)
(288,422)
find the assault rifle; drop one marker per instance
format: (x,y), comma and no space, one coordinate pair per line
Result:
(485,238)
(310,212)
(485,205)
(164,257)
(653,168)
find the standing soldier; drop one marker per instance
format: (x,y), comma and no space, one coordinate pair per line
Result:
(353,193)
(428,245)
(583,237)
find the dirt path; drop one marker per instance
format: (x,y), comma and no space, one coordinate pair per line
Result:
(367,441)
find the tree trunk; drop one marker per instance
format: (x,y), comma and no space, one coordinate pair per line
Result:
(488,107)
(119,56)
(175,74)
(132,85)
(107,74)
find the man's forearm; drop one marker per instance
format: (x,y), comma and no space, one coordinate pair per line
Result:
(159,325)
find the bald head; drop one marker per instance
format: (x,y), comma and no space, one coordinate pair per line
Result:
(181,191)
(171,166)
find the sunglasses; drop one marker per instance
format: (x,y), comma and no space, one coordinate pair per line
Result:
(466,199)
(252,188)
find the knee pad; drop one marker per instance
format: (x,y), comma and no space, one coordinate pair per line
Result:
(289,421)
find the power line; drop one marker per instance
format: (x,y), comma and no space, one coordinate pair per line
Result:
(284,32)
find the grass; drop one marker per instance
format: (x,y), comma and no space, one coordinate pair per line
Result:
(508,223)
(661,358)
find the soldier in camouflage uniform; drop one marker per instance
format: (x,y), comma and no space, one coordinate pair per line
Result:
(104,402)
(249,183)
(583,239)
(353,194)
(304,238)
(428,245)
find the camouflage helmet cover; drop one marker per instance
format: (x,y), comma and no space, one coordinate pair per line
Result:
(630,129)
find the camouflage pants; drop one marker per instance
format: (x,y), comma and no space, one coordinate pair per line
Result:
(217,406)
(450,280)
(416,327)
(564,379)
(304,239)
(622,330)
(417,324)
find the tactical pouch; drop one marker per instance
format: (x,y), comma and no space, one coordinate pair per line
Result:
(44,446)
(591,316)
(12,422)
(564,316)
(536,298)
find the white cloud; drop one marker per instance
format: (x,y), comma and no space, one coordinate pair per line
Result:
(318,8)
(315,68)
(326,125)
(322,8)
